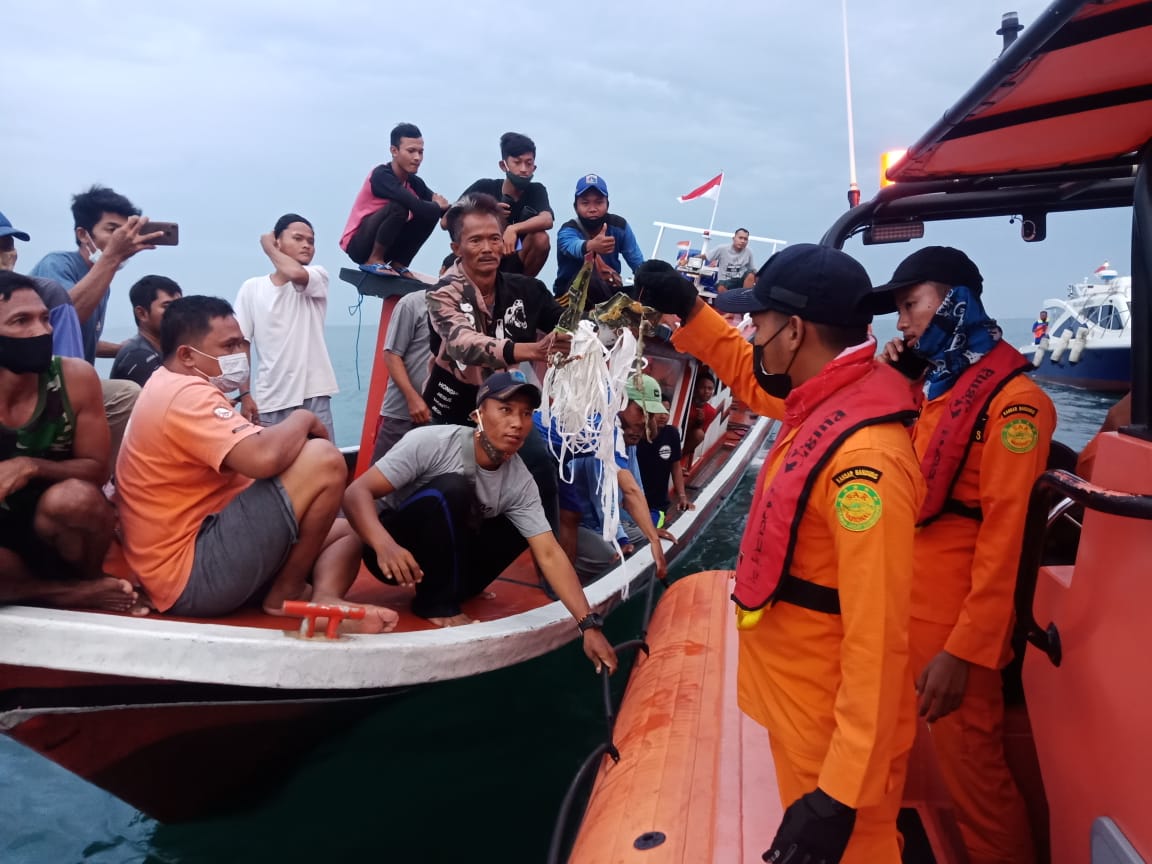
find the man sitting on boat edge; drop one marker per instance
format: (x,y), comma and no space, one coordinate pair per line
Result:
(55,524)
(459,506)
(216,511)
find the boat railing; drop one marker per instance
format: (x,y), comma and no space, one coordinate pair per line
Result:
(1053,494)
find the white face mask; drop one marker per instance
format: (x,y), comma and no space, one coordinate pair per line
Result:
(233,371)
(95,254)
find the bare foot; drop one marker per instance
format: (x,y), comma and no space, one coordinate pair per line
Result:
(274,603)
(107,594)
(377,619)
(452,621)
(489,595)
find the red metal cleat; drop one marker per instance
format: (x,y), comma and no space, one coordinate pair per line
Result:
(310,612)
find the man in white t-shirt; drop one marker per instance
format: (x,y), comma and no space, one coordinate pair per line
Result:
(282,316)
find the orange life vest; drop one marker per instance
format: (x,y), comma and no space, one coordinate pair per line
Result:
(852,392)
(948,448)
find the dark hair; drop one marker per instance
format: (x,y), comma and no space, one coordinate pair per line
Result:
(404,130)
(88,207)
(475,204)
(10,282)
(189,319)
(515,144)
(448,261)
(286,220)
(143,293)
(838,338)
(738,230)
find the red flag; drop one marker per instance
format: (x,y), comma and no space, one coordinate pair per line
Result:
(711,189)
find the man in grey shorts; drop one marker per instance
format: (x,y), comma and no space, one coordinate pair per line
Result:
(407,355)
(216,511)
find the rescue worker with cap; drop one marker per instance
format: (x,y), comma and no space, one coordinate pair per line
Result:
(982,439)
(824,575)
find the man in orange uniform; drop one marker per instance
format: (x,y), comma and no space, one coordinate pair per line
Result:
(982,440)
(824,576)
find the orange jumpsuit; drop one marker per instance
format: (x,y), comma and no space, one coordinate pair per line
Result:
(962,603)
(834,691)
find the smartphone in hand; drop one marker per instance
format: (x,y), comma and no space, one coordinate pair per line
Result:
(169,232)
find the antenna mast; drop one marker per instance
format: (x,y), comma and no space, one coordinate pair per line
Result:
(853,188)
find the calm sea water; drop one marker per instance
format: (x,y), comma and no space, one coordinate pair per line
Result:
(470,770)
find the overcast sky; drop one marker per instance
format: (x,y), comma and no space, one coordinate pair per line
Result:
(224,115)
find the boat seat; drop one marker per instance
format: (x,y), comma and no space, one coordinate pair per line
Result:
(374,285)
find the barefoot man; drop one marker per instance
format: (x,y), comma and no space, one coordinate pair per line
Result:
(216,511)
(459,506)
(55,524)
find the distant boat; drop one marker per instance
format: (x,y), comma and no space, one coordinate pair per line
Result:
(1089,339)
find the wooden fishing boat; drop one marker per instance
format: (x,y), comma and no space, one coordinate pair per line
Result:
(1061,122)
(183,718)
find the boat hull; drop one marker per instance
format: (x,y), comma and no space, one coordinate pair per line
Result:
(1104,369)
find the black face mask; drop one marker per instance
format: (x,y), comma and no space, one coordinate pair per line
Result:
(519,182)
(26,353)
(592,226)
(777,384)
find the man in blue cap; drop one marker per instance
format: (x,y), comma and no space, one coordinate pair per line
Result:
(595,232)
(823,578)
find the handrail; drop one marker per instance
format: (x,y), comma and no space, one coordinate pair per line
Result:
(1041,515)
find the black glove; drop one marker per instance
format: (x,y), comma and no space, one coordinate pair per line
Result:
(659,285)
(815,830)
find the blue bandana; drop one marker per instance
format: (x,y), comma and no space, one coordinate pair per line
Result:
(960,334)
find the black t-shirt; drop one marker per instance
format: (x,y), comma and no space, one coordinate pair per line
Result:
(655,462)
(533,200)
(136,361)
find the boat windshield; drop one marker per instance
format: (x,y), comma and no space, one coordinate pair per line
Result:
(1105,315)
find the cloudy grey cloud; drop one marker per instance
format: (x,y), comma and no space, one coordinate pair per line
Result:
(223,115)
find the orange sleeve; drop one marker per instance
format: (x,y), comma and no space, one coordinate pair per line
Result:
(1015,452)
(873,523)
(712,340)
(202,423)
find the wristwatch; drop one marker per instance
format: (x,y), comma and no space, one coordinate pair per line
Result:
(591,621)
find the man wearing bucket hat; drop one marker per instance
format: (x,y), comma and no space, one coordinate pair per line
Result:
(458,506)
(982,439)
(824,573)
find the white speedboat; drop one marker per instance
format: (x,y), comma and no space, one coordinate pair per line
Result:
(1089,339)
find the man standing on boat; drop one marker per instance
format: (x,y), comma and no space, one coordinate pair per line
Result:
(407,355)
(282,317)
(824,573)
(216,511)
(528,215)
(595,232)
(1040,327)
(394,212)
(982,440)
(55,524)
(733,262)
(458,507)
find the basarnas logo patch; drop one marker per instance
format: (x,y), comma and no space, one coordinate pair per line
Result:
(858,507)
(1020,435)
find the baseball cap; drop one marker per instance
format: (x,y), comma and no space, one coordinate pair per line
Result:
(931,264)
(504,385)
(647,394)
(6,230)
(816,283)
(591,181)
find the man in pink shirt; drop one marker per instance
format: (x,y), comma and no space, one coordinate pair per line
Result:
(395,211)
(216,511)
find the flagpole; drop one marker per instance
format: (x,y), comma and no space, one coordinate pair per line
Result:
(853,188)
(712,221)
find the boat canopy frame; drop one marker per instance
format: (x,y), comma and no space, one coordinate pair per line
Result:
(933,183)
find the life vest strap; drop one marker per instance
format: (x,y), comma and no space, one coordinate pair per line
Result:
(958,509)
(807,595)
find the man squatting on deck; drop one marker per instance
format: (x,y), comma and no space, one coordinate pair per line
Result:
(457,506)
(823,579)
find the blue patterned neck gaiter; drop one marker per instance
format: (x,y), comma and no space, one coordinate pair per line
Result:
(960,334)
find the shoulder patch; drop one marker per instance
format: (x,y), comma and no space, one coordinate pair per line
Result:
(1020,408)
(858,472)
(1019,436)
(858,507)
(222,412)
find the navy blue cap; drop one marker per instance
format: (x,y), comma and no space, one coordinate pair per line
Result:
(6,230)
(591,181)
(502,386)
(943,264)
(815,283)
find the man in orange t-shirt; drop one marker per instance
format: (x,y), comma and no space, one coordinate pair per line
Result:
(216,511)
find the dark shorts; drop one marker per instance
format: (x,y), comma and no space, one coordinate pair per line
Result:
(18,534)
(238,551)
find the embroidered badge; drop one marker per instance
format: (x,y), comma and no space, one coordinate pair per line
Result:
(858,472)
(1019,436)
(858,507)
